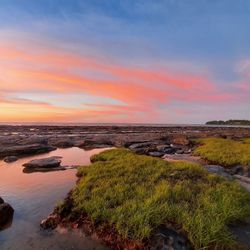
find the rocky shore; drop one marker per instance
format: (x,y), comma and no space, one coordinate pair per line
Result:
(170,143)
(17,141)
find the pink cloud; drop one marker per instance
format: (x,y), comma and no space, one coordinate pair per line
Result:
(141,90)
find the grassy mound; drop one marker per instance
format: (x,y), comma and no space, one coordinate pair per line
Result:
(138,193)
(225,152)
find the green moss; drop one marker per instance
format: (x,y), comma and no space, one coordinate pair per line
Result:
(225,152)
(138,193)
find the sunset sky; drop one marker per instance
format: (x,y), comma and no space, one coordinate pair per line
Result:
(138,61)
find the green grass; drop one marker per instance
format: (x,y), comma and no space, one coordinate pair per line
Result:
(137,193)
(224,152)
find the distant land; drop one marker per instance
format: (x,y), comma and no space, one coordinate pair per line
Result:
(229,122)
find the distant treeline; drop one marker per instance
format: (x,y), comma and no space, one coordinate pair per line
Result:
(229,122)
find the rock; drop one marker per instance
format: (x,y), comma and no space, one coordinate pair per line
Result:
(140,145)
(6,214)
(180,139)
(162,147)
(156,154)
(50,162)
(179,151)
(169,239)
(9,159)
(216,169)
(50,222)
(25,149)
(240,170)
(63,143)
(140,150)
(175,147)
(1,201)
(96,142)
(182,157)
(42,170)
(241,232)
(169,150)
(242,178)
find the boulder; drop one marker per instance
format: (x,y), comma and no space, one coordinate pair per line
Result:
(6,214)
(25,149)
(50,162)
(1,201)
(11,158)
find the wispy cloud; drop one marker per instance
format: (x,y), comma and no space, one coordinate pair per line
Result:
(141,90)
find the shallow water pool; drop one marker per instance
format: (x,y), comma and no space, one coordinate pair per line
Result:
(34,196)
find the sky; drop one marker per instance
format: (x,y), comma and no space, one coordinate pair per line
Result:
(124,61)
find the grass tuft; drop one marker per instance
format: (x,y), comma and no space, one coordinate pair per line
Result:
(138,193)
(225,152)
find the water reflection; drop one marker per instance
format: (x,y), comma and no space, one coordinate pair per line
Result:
(33,197)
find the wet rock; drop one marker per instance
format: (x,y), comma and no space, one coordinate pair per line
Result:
(33,139)
(241,231)
(182,157)
(175,147)
(240,170)
(140,145)
(96,142)
(50,222)
(9,159)
(140,150)
(63,143)
(156,154)
(216,169)
(243,178)
(169,150)
(169,239)
(6,214)
(179,151)
(50,162)
(42,170)
(25,149)
(162,148)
